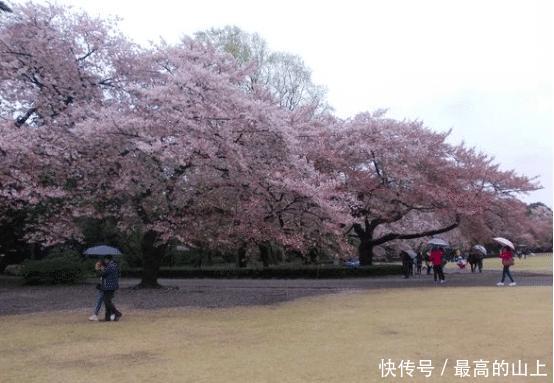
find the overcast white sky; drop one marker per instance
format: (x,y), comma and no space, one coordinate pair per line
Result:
(483,68)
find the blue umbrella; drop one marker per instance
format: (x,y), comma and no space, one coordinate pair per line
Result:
(101,251)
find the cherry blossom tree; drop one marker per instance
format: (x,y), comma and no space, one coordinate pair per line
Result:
(182,152)
(400,180)
(540,227)
(55,63)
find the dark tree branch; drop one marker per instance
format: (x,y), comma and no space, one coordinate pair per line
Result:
(19,121)
(393,236)
(4,7)
(86,55)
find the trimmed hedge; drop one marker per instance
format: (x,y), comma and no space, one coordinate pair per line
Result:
(274,272)
(51,271)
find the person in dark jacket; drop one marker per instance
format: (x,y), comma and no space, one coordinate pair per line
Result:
(110,283)
(407,264)
(427,261)
(419,263)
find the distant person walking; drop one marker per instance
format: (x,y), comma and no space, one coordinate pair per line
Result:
(99,267)
(419,263)
(436,257)
(507,256)
(475,260)
(427,261)
(407,264)
(110,283)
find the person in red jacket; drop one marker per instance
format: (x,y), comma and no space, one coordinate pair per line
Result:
(436,256)
(507,257)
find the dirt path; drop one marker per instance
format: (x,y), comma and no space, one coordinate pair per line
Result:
(16,298)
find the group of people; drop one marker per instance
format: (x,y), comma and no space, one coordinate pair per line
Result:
(108,272)
(435,261)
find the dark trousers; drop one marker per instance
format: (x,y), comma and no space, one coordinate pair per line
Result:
(477,265)
(506,271)
(437,270)
(110,307)
(407,268)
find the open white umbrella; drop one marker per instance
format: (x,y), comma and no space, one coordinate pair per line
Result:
(480,249)
(411,253)
(405,248)
(438,242)
(504,242)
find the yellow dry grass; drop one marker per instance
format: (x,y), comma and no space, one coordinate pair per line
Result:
(538,263)
(334,338)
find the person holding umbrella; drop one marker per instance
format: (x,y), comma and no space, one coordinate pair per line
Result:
(436,256)
(507,256)
(110,283)
(475,258)
(427,260)
(407,264)
(108,272)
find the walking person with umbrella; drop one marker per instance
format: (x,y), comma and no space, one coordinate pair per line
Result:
(110,283)
(408,259)
(436,256)
(475,257)
(507,256)
(106,253)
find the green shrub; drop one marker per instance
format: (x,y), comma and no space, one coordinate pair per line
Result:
(62,251)
(56,270)
(278,272)
(16,270)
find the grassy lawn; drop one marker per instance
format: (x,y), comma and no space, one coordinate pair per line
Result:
(334,338)
(538,263)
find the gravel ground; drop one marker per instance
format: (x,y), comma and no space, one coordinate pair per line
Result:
(16,298)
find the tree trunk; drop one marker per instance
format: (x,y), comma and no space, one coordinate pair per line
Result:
(241,256)
(365,252)
(367,240)
(313,254)
(264,254)
(151,259)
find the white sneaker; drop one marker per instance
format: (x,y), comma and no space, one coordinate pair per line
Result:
(442,281)
(500,284)
(93,318)
(112,317)
(513,284)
